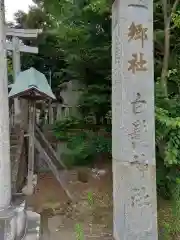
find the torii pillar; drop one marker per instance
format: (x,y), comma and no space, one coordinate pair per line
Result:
(7,213)
(133,130)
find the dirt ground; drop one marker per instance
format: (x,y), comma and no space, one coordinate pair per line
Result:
(89,216)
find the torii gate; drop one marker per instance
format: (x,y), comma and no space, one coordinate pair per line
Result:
(17,47)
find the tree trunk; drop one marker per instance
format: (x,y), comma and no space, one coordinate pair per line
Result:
(167,22)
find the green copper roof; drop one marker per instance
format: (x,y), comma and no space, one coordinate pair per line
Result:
(31,80)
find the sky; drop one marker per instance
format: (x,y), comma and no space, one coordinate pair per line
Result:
(13,6)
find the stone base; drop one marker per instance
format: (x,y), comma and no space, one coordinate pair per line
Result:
(7,224)
(134,193)
(33,226)
(17,223)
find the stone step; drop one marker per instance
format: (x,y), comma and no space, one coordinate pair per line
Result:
(13,146)
(14,139)
(14,142)
(13,153)
(14,134)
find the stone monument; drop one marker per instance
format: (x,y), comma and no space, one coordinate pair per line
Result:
(133,129)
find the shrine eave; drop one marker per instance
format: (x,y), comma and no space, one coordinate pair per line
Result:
(31,93)
(31,84)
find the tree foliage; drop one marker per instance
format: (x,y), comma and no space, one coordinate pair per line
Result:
(167,94)
(75,45)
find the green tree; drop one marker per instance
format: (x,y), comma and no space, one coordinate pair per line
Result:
(50,57)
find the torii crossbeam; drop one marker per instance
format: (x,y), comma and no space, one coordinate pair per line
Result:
(23,33)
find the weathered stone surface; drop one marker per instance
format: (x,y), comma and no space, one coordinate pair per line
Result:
(134,201)
(133,130)
(132,85)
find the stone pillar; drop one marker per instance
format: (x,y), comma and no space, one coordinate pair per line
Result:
(133,131)
(7,221)
(5,175)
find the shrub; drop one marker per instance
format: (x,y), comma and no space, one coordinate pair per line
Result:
(84,144)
